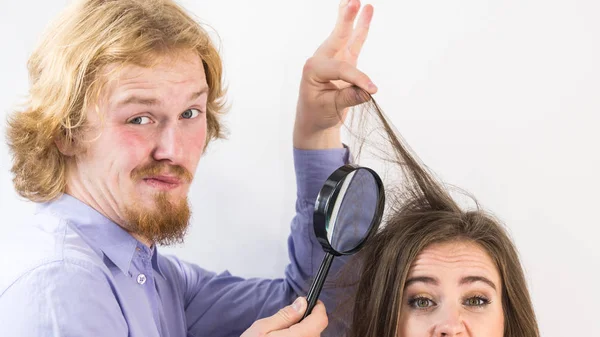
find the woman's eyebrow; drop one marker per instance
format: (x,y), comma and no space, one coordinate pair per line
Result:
(473,279)
(423,279)
(463,281)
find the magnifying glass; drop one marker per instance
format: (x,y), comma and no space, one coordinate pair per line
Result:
(348,211)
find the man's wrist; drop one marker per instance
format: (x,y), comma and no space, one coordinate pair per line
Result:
(313,167)
(318,140)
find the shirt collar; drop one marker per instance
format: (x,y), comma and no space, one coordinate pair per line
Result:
(102,234)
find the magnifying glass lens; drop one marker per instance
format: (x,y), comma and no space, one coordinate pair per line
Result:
(348,210)
(354,209)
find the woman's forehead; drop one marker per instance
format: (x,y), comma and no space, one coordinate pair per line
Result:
(455,258)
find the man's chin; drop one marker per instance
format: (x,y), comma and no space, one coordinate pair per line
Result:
(163,220)
(160,201)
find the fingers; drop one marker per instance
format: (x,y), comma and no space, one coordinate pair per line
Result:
(344,27)
(360,32)
(312,325)
(345,22)
(324,70)
(283,319)
(349,97)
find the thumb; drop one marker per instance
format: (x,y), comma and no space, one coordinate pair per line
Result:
(351,96)
(283,319)
(289,315)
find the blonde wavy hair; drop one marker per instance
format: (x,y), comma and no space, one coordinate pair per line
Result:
(65,74)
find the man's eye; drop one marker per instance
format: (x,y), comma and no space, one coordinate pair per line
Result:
(476,301)
(140,120)
(421,303)
(190,113)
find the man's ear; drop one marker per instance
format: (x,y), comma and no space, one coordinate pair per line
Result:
(65,146)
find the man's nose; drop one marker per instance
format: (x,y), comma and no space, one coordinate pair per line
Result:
(169,144)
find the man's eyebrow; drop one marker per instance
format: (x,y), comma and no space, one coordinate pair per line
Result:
(133,99)
(197,94)
(424,279)
(473,279)
(149,101)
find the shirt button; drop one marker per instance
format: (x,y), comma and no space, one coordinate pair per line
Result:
(141,279)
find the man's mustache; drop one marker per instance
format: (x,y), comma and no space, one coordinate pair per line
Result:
(161,168)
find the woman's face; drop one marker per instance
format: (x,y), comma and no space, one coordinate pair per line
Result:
(452,289)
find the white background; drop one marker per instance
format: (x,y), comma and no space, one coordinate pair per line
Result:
(498,97)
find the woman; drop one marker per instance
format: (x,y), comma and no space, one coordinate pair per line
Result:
(435,269)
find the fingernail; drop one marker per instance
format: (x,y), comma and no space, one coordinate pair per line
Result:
(298,304)
(344,3)
(371,86)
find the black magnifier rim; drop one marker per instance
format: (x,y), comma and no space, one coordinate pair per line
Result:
(329,192)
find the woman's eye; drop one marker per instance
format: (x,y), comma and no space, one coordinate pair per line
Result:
(421,303)
(476,301)
(190,113)
(140,120)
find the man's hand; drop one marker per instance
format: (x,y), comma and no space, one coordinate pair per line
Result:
(329,81)
(282,324)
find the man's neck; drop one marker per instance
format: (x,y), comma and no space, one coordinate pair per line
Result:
(148,243)
(90,202)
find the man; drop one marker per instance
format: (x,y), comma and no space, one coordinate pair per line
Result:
(125,96)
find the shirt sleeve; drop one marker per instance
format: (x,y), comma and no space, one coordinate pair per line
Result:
(64,299)
(225,305)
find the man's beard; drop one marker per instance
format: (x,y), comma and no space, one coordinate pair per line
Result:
(165,223)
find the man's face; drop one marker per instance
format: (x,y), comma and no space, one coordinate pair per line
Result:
(143,147)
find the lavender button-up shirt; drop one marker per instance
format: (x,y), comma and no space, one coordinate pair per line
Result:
(70,271)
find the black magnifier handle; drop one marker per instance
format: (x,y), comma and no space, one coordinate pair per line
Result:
(317,285)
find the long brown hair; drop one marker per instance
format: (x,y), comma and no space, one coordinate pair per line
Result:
(420,212)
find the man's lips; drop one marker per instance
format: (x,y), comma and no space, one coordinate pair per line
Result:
(163,182)
(165,179)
